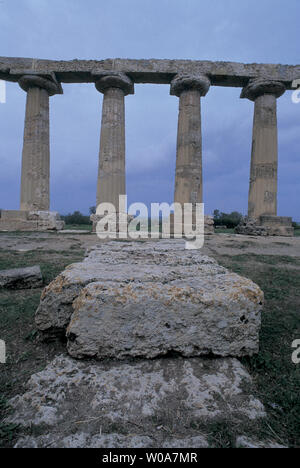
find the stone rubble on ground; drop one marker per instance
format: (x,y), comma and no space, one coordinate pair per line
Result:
(78,402)
(266,226)
(21,278)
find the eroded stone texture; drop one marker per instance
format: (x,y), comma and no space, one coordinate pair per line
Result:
(188,179)
(111,175)
(76,403)
(277,225)
(266,226)
(36,146)
(162,71)
(264,157)
(21,278)
(251,227)
(84,440)
(14,220)
(149,298)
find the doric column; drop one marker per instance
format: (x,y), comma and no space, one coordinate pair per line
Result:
(111,173)
(188,179)
(264,159)
(36,145)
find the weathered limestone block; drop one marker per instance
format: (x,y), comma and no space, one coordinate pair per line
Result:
(251,227)
(209,225)
(69,400)
(47,220)
(13,220)
(146,299)
(221,73)
(277,225)
(120,320)
(21,278)
(266,226)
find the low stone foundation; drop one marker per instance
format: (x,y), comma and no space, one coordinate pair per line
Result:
(266,225)
(15,220)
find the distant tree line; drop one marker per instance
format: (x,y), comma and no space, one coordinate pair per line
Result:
(228,220)
(76,218)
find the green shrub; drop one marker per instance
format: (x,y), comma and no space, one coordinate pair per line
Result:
(230,220)
(76,218)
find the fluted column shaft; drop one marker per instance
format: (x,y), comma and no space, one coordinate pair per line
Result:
(36,152)
(188,177)
(111,173)
(35,178)
(264,157)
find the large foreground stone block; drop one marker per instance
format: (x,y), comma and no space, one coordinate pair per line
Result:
(147,299)
(154,403)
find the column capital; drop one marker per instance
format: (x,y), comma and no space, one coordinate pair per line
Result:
(119,80)
(183,82)
(36,81)
(260,86)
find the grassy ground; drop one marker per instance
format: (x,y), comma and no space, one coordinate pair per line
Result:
(277,379)
(24,354)
(224,231)
(81,227)
(231,231)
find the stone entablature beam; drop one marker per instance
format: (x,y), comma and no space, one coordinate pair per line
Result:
(232,74)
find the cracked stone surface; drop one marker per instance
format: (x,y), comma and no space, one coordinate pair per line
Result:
(147,299)
(75,403)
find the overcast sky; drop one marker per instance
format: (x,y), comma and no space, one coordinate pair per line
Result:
(263,31)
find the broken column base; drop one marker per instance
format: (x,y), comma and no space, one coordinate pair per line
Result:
(17,220)
(117,226)
(209,225)
(266,225)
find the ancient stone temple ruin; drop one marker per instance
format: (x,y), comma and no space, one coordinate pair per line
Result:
(115,78)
